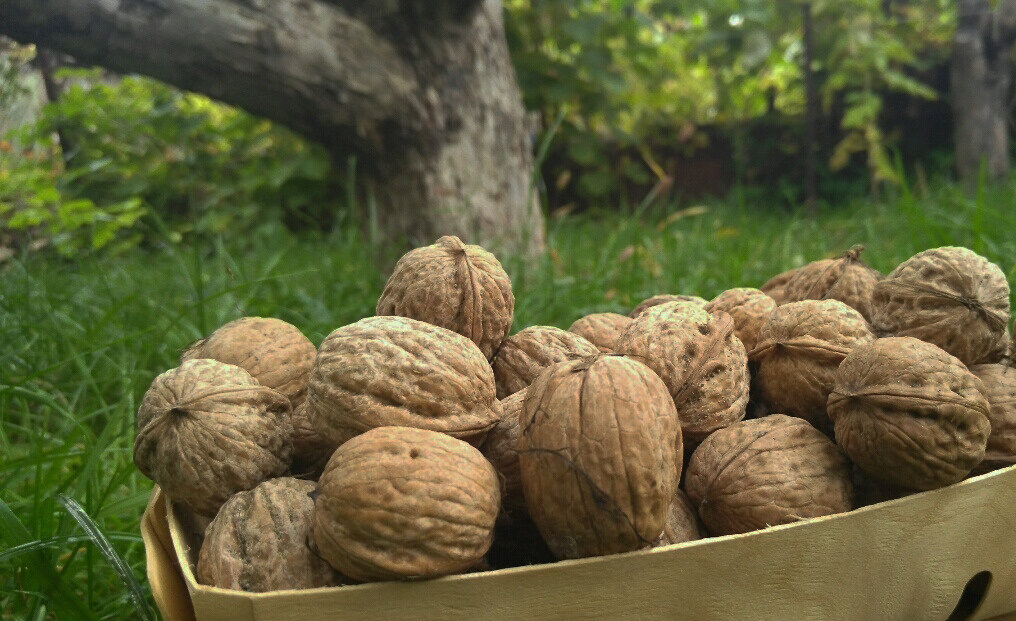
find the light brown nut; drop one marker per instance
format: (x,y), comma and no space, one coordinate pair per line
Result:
(776,286)
(207,430)
(999,389)
(909,414)
(799,349)
(310,450)
(259,541)
(767,471)
(699,359)
(274,352)
(663,298)
(749,308)
(397,503)
(526,353)
(501,448)
(846,278)
(683,523)
(454,285)
(383,371)
(601,329)
(599,455)
(951,297)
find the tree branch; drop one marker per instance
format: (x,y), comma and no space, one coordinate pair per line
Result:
(307,64)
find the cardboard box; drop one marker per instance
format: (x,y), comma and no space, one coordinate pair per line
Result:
(908,559)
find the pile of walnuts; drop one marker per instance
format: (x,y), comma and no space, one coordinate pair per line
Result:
(426,441)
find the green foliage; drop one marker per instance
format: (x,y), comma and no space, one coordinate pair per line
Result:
(138,151)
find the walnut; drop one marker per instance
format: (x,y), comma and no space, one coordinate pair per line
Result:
(259,541)
(601,329)
(206,430)
(1000,391)
(909,414)
(310,450)
(799,350)
(526,353)
(845,278)
(383,371)
(663,298)
(766,471)
(683,523)
(274,352)
(456,286)
(501,448)
(749,308)
(698,357)
(599,455)
(950,297)
(776,286)
(398,503)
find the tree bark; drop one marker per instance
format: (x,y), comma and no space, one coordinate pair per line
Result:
(980,80)
(423,94)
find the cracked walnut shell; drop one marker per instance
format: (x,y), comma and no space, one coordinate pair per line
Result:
(384,371)
(772,470)
(909,414)
(526,353)
(397,503)
(599,455)
(457,286)
(951,297)
(207,430)
(259,541)
(601,329)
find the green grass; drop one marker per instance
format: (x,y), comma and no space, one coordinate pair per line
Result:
(82,341)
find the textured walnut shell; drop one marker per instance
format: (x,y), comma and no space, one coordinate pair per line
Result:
(259,541)
(909,414)
(310,450)
(999,389)
(501,448)
(950,297)
(383,371)
(601,329)
(799,350)
(776,286)
(599,456)
(526,353)
(207,430)
(396,503)
(845,278)
(699,359)
(456,286)
(767,471)
(274,352)
(749,308)
(663,298)
(683,523)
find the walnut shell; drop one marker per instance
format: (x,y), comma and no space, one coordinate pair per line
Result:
(310,450)
(683,523)
(749,308)
(799,349)
(259,541)
(776,286)
(501,448)
(274,352)
(526,353)
(908,413)
(845,278)
(383,371)
(456,286)
(999,389)
(766,471)
(207,430)
(699,359)
(663,298)
(601,329)
(599,455)
(396,503)
(950,297)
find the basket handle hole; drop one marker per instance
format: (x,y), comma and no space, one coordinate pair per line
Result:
(972,597)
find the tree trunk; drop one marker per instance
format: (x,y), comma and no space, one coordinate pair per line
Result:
(423,94)
(980,80)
